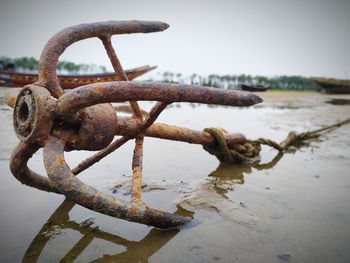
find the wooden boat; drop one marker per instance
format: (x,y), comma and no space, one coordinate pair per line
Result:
(254,88)
(333,85)
(16,79)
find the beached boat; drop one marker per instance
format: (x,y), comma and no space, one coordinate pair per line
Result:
(333,85)
(254,88)
(16,79)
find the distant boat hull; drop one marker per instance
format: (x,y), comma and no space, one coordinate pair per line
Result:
(333,85)
(257,88)
(16,79)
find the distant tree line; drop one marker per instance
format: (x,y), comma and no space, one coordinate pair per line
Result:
(233,81)
(30,64)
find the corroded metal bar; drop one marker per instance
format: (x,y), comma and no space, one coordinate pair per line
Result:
(88,162)
(127,126)
(138,153)
(63,39)
(107,43)
(84,195)
(153,115)
(18,165)
(106,40)
(137,171)
(119,91)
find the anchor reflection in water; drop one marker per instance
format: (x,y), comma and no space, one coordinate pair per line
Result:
(135,250)
(213,193)
(234,172)
(228,174)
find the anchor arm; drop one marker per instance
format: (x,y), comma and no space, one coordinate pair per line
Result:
(119,91)
(63,39)
(84,195)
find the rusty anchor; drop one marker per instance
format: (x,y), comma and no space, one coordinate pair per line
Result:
(84,119)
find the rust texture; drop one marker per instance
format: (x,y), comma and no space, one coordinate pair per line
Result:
(83,118)
(127,126)
(63,39)
(96,131)
(119,91)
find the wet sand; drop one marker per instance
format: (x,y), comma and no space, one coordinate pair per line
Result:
(291,208)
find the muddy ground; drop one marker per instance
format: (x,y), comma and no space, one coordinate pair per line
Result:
(292,208)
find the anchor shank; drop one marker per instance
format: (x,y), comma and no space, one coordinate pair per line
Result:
(128,127)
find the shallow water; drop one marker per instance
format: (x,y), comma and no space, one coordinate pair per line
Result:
(290,208)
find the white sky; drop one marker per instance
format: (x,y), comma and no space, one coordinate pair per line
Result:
(266,37)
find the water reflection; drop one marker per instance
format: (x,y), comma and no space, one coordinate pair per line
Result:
(339,102)
(136,251)
(225,174)
(235,171)
(212,192)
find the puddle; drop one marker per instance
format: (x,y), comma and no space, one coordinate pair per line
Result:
(339,102)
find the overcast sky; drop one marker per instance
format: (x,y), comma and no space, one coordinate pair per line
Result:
(266,37)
